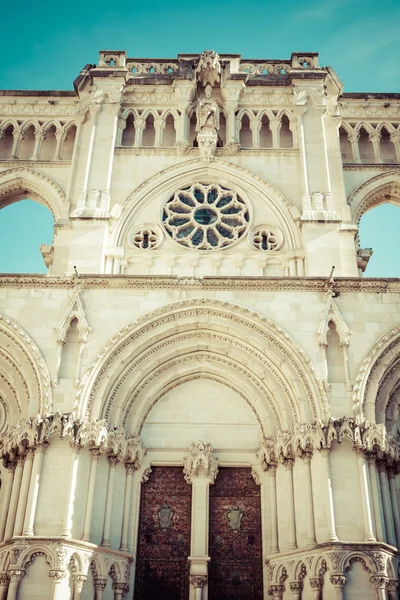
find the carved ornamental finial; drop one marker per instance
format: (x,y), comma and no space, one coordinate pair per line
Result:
(200,457)
(209,68)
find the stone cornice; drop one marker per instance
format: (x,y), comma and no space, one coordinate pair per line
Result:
(63,164)
(157,282)
(370,167)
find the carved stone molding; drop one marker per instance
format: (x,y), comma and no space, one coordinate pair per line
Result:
(200,458)
(198,581)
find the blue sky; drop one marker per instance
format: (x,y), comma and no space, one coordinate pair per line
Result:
(358,38)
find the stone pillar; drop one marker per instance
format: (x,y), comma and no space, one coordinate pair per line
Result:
(23,494)
(14,498)
(6,499)
(387,505)
(100,584)
(332,537)
(198,582)
(119,589)
(130,467)
(353,137)
(395,139)
(112,461)
(94,457)
(274,510)
(57,576)
(395,506)
(18,136)
(277,590)
(375,138)
(4,581)
(380,582)
(33,491)
(69,509)
(16,576)
(376,498)
(307,456)
(391,589)
(338,581)
(316,584)
(365,499)
(288,463)
(40,135)
(79,580)
(299,112)
(60,137)
(275,126)
(296,587)
(137,482)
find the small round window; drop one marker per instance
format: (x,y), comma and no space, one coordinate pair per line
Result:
(205,217)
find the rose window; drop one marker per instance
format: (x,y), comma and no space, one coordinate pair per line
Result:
(206,217)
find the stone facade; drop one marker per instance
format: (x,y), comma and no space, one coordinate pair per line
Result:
(192,381)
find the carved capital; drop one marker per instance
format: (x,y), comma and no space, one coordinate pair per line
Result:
(57,575)
(100,583)
(379,581)
(16,575)
(338,580)
(112,461)
(296,586)
(277,590)
(79,579)
(392,585)
(200,458)
(316,583)
(288,463)
(130,468)
(4,579)
(120,586)
(198,581)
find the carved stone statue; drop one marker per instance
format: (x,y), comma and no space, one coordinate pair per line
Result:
(209,68)
(207,113)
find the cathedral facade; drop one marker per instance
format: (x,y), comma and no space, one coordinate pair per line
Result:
(200,399)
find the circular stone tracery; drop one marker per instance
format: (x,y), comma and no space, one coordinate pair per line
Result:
(205,217)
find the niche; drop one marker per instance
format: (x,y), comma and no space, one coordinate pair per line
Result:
(149,133)
(285,135)
(69,142)
(345,146)
(388,152)
(222,131)
(334,356)
(192,130)
(366,148)
(27,145)
(265,133)
(6,143)
(49,145)
(169,133)
(70,352)
(246,136)
(128,134)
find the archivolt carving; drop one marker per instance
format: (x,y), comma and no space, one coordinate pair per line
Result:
(243,181)
(105,370)
(35,373)
(377,190)
(22,181)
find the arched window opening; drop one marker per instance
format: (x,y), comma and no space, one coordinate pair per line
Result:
(169,133)
(69,142)
(27,144)
(49,144)
(334,356)
(265,133)
(149,133)
(285,135)
(6,143)
(192,130)
(388,152)
(24,226)
(70,352)
(128,134)
(366,148)
(379,230)
(345,146)
(222,130)
(246,135)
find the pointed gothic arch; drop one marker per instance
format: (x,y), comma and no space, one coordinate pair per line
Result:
(381,189)
(20,183)
(245,182)
(258,358)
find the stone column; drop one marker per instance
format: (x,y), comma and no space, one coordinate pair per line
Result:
(307,456)
(79,580)
(24,490)
(16,576)
(275,125)
(332,537)
(376,498)
(198,582)
(387,505)
(380,582)
(395,506)
(395,139)
(353,137)
(57,576)
(338,581)
(391,588)
(100,585)
(69,510)
(299,112)
(40,135)
(288,463)
(4,581)
(274,510)
(316,584)
(18,136)
(112,461)
(60,137)
(33,491)
(94,457)
(365,499)
(277,590)
(159,125)
(119,589)
(14,498)
(296,587)
(130,467)
(6,499)
(137,482)
(375,138)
